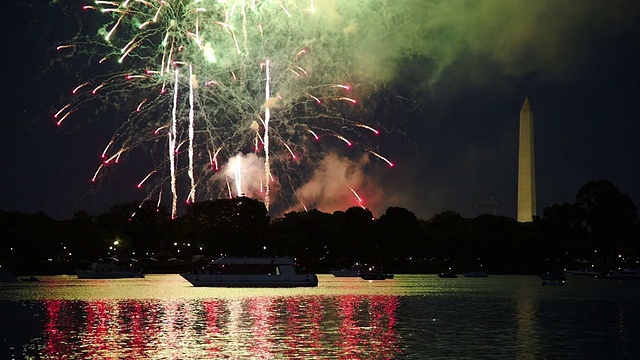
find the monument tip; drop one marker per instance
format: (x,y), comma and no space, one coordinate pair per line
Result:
(526,106)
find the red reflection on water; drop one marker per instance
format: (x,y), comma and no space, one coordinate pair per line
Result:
(344,327)
(303,337)
(98,326)
(212,309)
(261,310)
(383,319)
(54,341)
(176,329)
(368,327)
(98,329)
(61,332)
(132,322)
(351,333)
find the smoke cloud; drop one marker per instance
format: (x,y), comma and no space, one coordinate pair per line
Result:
(339,183)
(518,36)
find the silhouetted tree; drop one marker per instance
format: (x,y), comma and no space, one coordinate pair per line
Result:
(565,234)
(234,226)
(610,217)
(359,234)
(498,244)
(598,227)
(445,232)
(81,237)
(28,237)
(306,235)
(399,232)
(138,228)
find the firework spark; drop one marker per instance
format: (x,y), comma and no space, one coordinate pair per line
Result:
(244,76)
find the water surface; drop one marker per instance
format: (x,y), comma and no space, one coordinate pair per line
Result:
(409,317)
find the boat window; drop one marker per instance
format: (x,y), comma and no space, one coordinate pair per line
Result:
(239,269)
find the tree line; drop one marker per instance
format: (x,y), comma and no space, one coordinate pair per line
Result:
(599,229)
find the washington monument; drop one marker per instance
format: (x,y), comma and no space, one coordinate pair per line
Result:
(526,166)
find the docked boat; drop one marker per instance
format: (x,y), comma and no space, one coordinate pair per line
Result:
(109,270)
(345,273)
(375,275)
(630,273)
(553,282)
(353,271)
(550,276)
(585,272)
(252,272)
(613,275)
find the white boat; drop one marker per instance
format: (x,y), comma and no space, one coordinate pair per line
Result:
(550,276)
(345,273)
(354,271)
(373,275)
(631,273)
(252,272)
(585,272)
(109,270)
(614,275)
(553,282)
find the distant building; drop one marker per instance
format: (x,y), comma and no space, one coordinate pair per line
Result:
(526,166)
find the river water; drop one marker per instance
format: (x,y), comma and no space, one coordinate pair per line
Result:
(409,317)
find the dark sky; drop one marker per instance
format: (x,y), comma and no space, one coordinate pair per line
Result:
(451,128)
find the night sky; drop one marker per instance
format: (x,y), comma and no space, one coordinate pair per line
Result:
(448,106)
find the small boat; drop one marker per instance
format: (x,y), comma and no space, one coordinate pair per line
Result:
(613,275)
(476,274)
(374,273)
(630,273)
(30,279)
(109,270)
(353,271)
(447,275)
(553,276)
(553,282)
(252,272)
(585,272)
(345,273)
(376,276)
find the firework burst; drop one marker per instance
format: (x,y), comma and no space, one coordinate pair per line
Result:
(216,85)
